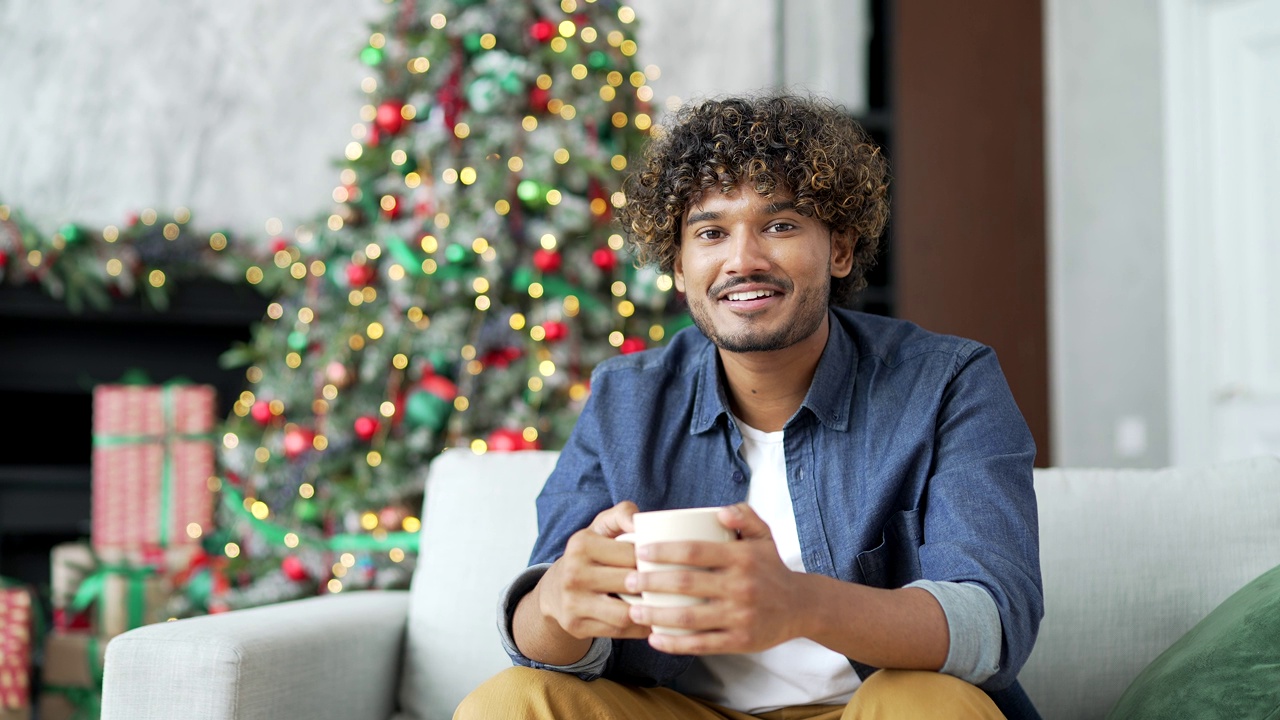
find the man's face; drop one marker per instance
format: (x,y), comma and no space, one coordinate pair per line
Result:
(755,272)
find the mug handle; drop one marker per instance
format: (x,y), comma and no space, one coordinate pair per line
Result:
(633,599)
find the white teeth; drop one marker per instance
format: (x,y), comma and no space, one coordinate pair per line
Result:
(751,294)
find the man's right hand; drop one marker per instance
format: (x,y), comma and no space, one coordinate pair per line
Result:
(574,602)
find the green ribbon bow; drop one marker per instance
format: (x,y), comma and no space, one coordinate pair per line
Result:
(94,587)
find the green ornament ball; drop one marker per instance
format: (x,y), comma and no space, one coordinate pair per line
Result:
(199,587)
(597,60)
(457,254)
(441,362)
(532,193)
(511,83)
(371,56)
(297,341)
(422,409)
(522,278)
(471,42)
(71,233)
(306,510)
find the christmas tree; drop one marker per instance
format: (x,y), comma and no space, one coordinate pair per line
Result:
(467,281)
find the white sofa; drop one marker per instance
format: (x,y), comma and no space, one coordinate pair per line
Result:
(1131,560)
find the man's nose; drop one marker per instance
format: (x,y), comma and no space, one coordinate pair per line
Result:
(747,254)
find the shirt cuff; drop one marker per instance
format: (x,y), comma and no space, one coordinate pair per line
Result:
(973,623)
(590,667)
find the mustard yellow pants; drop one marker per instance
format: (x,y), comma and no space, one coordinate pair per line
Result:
(519,693)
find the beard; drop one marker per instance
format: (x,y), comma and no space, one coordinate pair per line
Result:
(811,308)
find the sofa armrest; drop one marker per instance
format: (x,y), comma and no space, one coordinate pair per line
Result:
(336,656)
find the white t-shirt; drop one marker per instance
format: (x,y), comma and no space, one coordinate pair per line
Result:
(797,672)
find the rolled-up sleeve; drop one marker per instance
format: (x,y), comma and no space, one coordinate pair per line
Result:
(590,667)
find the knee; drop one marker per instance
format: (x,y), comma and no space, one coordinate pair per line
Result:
(514,692)
(918,693)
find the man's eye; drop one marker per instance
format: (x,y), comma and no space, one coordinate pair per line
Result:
(782,227)
(710,234)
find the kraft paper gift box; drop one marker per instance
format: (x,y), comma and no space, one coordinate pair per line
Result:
(15,653)
(71,681)
(153,455)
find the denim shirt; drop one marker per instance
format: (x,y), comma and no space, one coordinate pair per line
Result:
(908,460)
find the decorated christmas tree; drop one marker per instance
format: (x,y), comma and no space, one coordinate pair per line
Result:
(467,281)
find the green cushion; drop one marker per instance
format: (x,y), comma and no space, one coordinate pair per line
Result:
(1227,666)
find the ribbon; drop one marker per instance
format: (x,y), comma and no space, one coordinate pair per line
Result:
(87,701)
(94,588)
(352,542)
(166,439)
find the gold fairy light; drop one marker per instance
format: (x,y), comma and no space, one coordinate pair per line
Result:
(618,162)
(354,151)
(335,222)
(479,245)
(535,384)
(488,41)
(373,458)
(502,207)
(644,94)
(643,121)
(619,119)
(656,333)
(438,21)
(479,446)
(419,65)
(568,28)
(626,14)
(628,47)
(618,288)
(568,111)
(558,44)
(428,244)
(578,71)
(544,82)
(614,78)
(615,38)
(461,404)
(515,163)
(615,338)
(467,175)
(450,176)
(114,267)
(548,241)
(529,123)
(588,34)
(369,85)
(616,242)
(461,130)
(607,93)
(377,40)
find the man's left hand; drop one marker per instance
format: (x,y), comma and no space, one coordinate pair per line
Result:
(752,602)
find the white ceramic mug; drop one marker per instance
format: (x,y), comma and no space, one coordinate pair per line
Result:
(657,526)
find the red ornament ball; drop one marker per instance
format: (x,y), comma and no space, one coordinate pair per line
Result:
(631,345)
(547,261)
(360,275)
(365,427)
(278,244)
(261,411)
(505,440)
(554,330)
(337,373)
(293,568)
(297,442)
(538,99)
(440,386)
(392,207)
(605,259)
(542,31)
(389,118)
(391,517)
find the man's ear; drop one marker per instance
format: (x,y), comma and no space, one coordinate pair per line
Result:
(842,246)
(677,271)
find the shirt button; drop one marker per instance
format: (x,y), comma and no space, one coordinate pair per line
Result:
(738,476)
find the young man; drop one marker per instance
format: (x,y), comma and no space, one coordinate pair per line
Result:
(879,476)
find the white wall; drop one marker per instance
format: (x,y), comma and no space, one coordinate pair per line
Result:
(1108,293)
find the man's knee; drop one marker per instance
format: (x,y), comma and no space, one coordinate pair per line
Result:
(515,692)
(918,693)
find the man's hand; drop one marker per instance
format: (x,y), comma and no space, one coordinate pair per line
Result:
(572,603)
(751,594)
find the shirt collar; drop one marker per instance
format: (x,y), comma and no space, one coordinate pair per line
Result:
(830,394)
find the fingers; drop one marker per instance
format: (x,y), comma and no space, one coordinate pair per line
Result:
(616,520)
(742,518)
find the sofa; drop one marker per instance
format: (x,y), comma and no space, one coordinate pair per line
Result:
(1131,560)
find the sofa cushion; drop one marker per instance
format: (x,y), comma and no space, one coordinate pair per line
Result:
(1227,666)
(1131,560)
(479,523)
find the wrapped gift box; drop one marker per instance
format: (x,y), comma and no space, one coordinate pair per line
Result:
(152,458)
(72,660)
(15,653)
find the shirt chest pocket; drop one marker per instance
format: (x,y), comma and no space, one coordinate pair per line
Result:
(896,560)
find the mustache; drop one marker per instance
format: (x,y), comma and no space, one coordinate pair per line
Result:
(781,283)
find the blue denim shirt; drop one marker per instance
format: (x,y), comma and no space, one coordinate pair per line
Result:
(908,460)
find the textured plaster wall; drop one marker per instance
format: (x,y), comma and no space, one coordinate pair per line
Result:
(237,109)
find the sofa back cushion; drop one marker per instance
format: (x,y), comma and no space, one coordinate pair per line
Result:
(1133,559)
(478,526)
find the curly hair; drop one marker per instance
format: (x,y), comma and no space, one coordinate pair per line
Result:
(809,148)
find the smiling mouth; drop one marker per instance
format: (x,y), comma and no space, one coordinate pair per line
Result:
(749,295)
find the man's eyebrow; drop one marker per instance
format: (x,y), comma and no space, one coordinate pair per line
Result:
(774,208)
(701,216)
